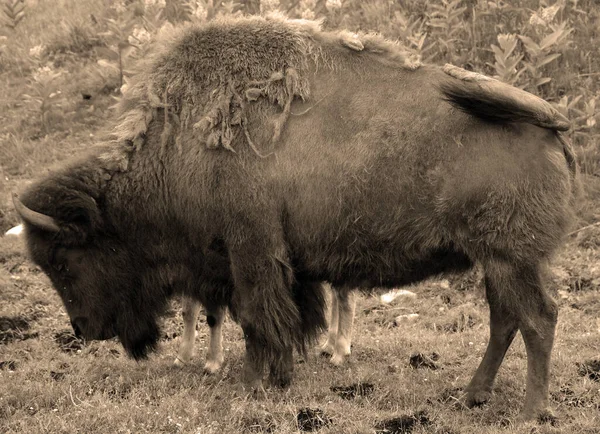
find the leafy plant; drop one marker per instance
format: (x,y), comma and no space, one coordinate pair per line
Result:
(540,53)
(14,12)
(42,94)
(507,59)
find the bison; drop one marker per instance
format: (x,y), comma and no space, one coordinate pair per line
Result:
(292,156)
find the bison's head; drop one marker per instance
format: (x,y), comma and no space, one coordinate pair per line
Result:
(98,277)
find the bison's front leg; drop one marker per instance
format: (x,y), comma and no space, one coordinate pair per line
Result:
(266,309)
(281,370)
(254,361)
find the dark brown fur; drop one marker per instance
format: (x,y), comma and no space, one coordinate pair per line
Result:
(376,180)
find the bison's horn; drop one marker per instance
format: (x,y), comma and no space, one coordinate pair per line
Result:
(35,218)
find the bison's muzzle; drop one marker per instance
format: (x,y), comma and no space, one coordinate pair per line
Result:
(82,330)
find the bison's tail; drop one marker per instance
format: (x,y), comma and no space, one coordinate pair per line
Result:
(577,187)
(494,101)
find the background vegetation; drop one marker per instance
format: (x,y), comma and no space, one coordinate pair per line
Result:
(63,64)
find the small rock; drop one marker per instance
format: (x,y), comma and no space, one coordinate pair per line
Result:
(390,296)
(405,318)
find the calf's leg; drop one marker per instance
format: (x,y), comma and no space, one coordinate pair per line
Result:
(190,311)
(332,329)
(214,358)
(346,304)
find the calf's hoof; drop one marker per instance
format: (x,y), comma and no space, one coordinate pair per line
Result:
(211,367)
(338,359)
(326,350)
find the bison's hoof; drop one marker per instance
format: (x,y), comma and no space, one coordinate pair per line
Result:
(280,381)
(477,398)
(545,416)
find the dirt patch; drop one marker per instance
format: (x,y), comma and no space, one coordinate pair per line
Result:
(259,423)
(14,328)
(8,365)
(354,390)
(462,323)
(451,395)
(420,360)
(114,388)
(402,424)
(68,342)
(312,419)
(57,376)
(582,283)
(590,369)
(567,396)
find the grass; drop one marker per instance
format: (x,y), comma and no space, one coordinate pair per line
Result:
(51,383)
(64,386)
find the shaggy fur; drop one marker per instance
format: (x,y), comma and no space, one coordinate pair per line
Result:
(375,179)
(205,77)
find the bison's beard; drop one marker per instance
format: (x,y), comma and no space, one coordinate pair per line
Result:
(140,339)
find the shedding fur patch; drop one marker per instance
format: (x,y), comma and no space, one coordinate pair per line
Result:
(205,78)
(463,74)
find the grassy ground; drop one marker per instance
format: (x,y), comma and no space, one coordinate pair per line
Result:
(50,382)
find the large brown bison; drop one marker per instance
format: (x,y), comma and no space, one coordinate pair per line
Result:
(291,156)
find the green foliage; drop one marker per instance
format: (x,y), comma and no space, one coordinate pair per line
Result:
(14,12)
(548,47)
(42,94)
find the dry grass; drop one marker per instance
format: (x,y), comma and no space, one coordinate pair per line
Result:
(63,386)
(55,386)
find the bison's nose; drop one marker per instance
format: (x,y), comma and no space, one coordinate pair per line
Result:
(78,325)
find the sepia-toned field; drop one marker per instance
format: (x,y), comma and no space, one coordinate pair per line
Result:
(404,375)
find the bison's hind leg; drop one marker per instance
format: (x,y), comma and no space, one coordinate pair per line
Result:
(517,300)
(190,312)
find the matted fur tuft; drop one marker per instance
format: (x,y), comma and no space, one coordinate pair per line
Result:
(204,77)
